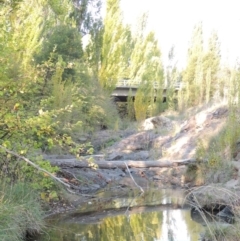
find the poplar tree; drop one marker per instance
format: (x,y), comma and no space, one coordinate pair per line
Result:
(172,80)
(193,74)
(115,39)
(146,62)
(211,66)
(146,68)
(86,14)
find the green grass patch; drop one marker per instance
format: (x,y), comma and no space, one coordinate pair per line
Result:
(20,212)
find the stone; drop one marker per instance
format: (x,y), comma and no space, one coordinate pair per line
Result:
(232,184)
(115,156)
(237,158)
(156,122)
(226,212)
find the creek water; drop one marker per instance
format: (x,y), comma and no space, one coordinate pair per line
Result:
(153,216)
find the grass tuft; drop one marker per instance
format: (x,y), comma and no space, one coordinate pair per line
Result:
(20,212)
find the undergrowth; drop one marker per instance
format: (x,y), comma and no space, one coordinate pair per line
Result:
(20,212)
(215,155)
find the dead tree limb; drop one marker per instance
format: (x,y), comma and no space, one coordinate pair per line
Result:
(75,163)
(142,191)
(34,165)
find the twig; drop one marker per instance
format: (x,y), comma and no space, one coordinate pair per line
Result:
(133,178)
(34,165)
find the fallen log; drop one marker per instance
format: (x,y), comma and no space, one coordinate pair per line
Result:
(75,163)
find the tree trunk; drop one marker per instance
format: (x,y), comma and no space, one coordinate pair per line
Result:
(74,163)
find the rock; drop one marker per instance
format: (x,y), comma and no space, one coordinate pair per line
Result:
(232,184)
(207,196)
(226,215)
(237,157)
(159,141)
(236,164)
(115,156)
(133,143)
(226,212)
(156,122)
(220,112)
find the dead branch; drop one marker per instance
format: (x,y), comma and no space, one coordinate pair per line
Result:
(35,166)
(75,163)
(142,191)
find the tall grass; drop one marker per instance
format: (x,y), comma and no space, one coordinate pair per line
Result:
(20,212)
(206,201)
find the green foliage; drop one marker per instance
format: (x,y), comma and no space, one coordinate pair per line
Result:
(39,180)
(143,101)
(130,107)
(61,8)
(116,38)
(201,75)
(145,59)
(215,156)
(20,211)
(157,104)
(49,95)
(86,14)
(62,41)
(125,56)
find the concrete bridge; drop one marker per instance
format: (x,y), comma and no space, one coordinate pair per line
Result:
(123,88)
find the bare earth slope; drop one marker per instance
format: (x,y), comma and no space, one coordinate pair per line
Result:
(160,139)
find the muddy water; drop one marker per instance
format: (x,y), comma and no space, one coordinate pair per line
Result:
(153,216)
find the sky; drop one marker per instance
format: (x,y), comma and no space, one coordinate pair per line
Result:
(173,22)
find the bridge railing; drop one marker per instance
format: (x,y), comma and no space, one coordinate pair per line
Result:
(133,83)
(128,83)
(136,83)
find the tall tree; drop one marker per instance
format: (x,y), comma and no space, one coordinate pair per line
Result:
(86,14)
(146,67)
(115,38)
(193,74)
(212,66)
(201,74)
(145,60)
(172,80)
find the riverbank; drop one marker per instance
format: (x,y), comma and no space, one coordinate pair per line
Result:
(207,135)
(161,152)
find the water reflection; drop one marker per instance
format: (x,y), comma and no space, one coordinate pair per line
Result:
(157,225)
(177,225)
(163,221)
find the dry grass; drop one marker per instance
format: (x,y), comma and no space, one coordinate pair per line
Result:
(204,200)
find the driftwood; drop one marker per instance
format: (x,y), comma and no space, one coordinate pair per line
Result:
(75,163)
